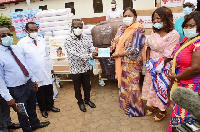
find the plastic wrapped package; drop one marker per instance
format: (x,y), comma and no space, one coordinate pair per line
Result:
(63,23)
(61,12)
(13,15)
(65,27)
(35,11)
(58,39)
(62,18)
(21,35)
(48,33)
(45,14)
(41,33)
(47,38)
(47,19)
(48,24)
(62,32)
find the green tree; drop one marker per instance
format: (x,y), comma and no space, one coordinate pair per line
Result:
(5,21)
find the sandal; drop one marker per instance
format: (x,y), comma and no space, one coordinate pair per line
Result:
(151,110)
(163,115)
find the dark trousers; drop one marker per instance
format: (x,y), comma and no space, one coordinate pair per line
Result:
(26,94)
(5,119)
(84,80)
(45,97)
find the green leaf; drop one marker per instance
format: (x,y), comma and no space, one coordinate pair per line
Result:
(5,21)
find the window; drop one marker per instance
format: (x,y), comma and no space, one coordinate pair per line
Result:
(43,7)
(98,6)
(198,5)
(16,10)
(127,3)
(70,5)
(2,6)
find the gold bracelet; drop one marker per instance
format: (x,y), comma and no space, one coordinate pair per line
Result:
(175,79)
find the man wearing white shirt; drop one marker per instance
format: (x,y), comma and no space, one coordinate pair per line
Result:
(114,12)
(39,62)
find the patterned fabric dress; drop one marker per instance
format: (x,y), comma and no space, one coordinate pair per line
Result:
(129,92)
(160,47)
(184,59)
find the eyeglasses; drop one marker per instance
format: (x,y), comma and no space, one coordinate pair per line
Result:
(187,5)
(5,35)
(78,27)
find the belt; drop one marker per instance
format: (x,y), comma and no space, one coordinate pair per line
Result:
(26,83)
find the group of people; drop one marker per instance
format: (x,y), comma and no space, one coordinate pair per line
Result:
(26,69)
(25,74)
(180,43)
(167,42)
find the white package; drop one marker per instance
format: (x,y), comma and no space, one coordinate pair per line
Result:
(62,32)
(60,12)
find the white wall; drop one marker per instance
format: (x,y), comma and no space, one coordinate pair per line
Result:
(83,8)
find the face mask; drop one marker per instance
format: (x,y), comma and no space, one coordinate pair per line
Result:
(128,21)
(78,31)
(33,35)
(7,41)
(112,5)
(158,25)
(187,10)
(190,33)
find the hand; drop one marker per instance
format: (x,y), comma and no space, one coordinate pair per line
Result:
(111,48)
(11,103)
(52,71)
(35,85)
(96,50)
(172,76)
(94,55)
(114,55)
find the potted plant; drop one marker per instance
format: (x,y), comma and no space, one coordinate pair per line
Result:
(5,21)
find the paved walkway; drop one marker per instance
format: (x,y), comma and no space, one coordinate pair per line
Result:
(107,117)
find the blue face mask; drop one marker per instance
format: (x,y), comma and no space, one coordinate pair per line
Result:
(187,10)
(7,41)
(158,25)
(190,33)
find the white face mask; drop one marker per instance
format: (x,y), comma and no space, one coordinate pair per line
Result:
(128,21)
(33,35)
(78,31)
(113,5)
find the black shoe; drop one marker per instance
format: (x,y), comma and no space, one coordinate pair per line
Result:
(92,105)
(54,109)
(44,113)
(14,126)
(42,124)
(82,107)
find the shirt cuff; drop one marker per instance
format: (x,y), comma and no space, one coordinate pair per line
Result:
(8,97)
(91,56)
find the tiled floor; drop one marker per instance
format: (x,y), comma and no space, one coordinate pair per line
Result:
(107,117)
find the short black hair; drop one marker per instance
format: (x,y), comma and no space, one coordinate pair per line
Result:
(75,20)
(166,16)
(194,15)
(26,27)
(59,48)
(132,10)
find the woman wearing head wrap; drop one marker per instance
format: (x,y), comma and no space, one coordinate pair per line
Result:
(188,7)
